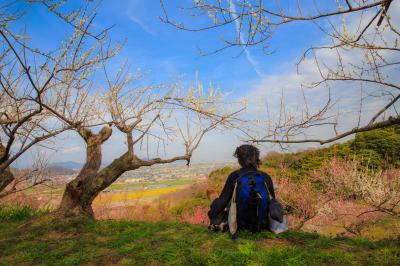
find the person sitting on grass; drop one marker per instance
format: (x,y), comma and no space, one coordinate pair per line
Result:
(248,189)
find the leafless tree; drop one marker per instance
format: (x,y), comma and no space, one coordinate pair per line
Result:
(30,79)
(26,178)
(46,93)
(367,29)
(144,114)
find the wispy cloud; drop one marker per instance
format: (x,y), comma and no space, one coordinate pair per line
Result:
(248,54)
(141,23)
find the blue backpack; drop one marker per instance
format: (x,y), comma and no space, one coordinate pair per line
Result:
(252,200)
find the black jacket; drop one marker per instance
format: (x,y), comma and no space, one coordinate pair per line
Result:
(220,203)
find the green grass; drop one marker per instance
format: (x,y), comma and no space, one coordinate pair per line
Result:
(77,242)
(19,212)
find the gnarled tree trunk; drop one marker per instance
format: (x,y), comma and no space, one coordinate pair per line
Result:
(79,193)
(6,177)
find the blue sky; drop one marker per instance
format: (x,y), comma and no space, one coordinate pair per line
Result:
(169,54)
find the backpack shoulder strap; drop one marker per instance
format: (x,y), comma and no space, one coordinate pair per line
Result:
(234,193)
(232,215)
(269,189)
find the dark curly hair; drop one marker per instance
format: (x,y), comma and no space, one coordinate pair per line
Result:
(248,156)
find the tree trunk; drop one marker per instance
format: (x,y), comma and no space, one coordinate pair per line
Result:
(80,192)
(6,178)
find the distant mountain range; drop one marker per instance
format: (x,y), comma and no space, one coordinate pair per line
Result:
(67,165)
(70,165)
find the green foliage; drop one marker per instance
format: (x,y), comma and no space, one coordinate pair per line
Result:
(83,242)
(18,212)
(299,165)
(218,177)
(383,144)
(369,158)
(379,148)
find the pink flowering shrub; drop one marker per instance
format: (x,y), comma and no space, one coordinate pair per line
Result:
(349,180)
(300,200)
(199,216)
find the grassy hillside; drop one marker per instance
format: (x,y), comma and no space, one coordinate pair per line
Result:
(81,242)
(305,180)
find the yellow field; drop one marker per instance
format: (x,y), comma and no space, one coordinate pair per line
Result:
(123,196)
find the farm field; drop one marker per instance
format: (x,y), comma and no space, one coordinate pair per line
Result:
(117,195)
(124,192)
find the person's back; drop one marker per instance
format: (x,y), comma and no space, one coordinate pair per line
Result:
(250,188)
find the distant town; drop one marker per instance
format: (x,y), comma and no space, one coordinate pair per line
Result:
(171,172)
(157,173)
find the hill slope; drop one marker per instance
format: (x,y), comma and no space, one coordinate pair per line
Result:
(79,242)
